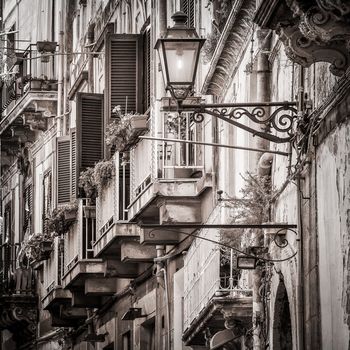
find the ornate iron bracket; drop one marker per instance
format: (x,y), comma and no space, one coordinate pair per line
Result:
(282,119)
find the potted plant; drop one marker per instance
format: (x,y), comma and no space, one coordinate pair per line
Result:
(104,172)
(62,218)
(87,183)
(122,132)
(38,247)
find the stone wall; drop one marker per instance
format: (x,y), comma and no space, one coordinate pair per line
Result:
(333,213)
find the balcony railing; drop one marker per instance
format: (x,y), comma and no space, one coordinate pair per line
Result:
(28,73)
(175,159)
(13,278)
(208,277)
(79,240)
(167,159)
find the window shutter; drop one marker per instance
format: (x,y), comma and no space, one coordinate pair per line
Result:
(28,207)
(47,196)
(89,143)
(74,163)
(63,169)
(124,72)
(188,7)
(147,70)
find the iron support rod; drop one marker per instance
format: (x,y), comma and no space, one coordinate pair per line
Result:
(214,145)
(199,106)
(223,226)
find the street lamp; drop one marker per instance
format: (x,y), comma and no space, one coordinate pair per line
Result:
(179,54)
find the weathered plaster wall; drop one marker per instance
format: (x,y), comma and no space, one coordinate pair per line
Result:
(333,203)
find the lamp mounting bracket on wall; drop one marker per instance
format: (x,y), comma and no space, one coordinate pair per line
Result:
(282,119)
(179,53)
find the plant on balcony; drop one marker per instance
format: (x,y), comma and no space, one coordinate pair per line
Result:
(104,172)
(62,218)
(38,246)
(176,124)
(87,183)
(122,132)
(253,207)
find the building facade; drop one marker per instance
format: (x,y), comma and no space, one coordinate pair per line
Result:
(128,224)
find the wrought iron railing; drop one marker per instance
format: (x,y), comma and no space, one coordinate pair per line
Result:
(206,277)
(176,159)
(28,73)
(81,237)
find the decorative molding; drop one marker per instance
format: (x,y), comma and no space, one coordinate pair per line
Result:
(232,43)
(19,315)
(304,51)
(83,76)
(310,33)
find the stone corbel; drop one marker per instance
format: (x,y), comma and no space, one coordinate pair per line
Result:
(339,8)
(323,26)
(35,121)
(304,51)
(47,108)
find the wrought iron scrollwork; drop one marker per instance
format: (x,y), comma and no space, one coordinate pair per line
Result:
(282,119)
(281,242)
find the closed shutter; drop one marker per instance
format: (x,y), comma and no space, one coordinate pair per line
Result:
(74,163)
(63,170)
(124,72)
(188,7)
(89,143)
(47,197)
(147,70)
(28,207)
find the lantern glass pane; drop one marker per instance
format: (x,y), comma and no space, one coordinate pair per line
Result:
(181,60)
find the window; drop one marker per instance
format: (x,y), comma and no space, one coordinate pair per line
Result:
(147,69)
(28,208)
(63,170)
(47,200)
(188,6)
(124,73)
(127,341)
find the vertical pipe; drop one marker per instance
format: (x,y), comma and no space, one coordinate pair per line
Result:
(60,76)
(300,258)
(263,95)
(161,8)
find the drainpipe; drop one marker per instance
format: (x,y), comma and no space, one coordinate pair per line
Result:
(163,270)
(162,17)
(60,77)
(90,37)
(264,168)
(300,255)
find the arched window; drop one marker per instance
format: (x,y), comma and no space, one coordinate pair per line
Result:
(282,326)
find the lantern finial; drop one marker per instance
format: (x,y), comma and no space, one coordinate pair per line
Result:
(180,19)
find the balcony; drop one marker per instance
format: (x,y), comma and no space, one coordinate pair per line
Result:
(29,96)
(18,302)
(215,294)
(175,178)
(79,256)
(117,239)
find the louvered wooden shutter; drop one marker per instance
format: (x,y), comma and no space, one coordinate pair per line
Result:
(124,72)
(89,143)
(63,169)
(74,164)
(47,197)
(28,206)
(188,7)
(146,70)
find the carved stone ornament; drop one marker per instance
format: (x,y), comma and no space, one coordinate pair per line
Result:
(313,31)
(323,26)
(20,320)
(305,51)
